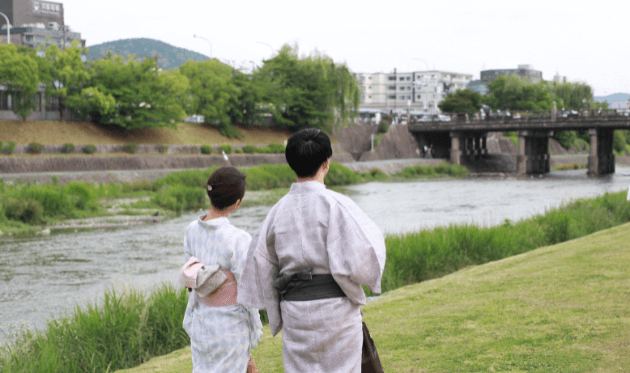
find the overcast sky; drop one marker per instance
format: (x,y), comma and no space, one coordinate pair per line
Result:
(584,41)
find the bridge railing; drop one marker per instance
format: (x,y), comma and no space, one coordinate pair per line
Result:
(519,116)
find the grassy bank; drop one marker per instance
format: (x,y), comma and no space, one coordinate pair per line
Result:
(410,258)
(27,208)
(53,132)
(561,308)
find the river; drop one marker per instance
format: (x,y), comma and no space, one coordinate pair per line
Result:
(43,277)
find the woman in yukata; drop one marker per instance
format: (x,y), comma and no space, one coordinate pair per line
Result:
(222,332)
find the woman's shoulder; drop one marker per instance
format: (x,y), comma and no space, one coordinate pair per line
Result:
(239,234)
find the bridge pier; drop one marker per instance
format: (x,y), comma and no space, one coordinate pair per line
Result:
(601,159)
(468,146)
(456,147)
(533,152)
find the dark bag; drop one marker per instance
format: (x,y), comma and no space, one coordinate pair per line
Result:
(370,362)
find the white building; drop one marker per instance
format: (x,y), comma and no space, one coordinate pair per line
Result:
(418,91)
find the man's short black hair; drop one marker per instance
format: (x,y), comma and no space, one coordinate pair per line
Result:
(307,150)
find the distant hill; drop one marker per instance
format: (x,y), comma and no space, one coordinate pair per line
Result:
(612,98)
(169,56)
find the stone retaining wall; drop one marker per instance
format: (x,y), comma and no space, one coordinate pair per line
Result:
(12,165)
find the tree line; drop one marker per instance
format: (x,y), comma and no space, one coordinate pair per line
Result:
(129,93)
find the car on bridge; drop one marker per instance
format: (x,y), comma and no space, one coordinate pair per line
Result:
(435,118)
(568,114)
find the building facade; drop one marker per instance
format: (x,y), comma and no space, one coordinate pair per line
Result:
(523,71)
(419,91)
(35,23)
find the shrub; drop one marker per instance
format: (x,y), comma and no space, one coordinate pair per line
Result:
(35,148)
(181,198)
(89,149)
(566,138)
(0,146)
(268,176)
(130,148)
(263,150)
(340,175)
(619,141)
(27,211)
(249,149)
(226,148)
(9,148)
(238,151)
(276,148)
(383,126)
(162,149)
(206,149)
(189,178)
(378,174)
(67,148)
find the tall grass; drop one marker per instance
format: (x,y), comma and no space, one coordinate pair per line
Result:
(125,330)
(433,253)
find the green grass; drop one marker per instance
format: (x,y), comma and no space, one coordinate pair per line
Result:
(561,308)
(570,166)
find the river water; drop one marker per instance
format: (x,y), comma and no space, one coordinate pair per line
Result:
(45,277)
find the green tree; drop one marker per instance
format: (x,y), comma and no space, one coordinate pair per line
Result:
(144,96)
(462,101)
(213,92)
(513,93)
(311,91)
(19,73)
(245,107)
(65,73)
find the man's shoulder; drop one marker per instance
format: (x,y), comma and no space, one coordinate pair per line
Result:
(336,198)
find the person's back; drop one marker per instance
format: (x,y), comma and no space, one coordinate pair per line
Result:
(307,263)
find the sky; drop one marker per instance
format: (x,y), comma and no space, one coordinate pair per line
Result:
(584,41)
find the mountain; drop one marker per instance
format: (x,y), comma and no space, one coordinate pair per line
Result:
(168,56)
(612,98)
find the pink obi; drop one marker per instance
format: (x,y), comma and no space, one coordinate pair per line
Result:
(225,295)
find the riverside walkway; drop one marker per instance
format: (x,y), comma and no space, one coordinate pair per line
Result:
(464,136)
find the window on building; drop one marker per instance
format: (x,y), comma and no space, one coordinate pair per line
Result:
(391,87)
(419,97)
(402,78)
(409,88)
(4,101)
(52,104)
(392,78)
(392,97)
(408,78)
(402,97)
(401,88)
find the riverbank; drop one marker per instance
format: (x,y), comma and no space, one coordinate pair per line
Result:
(558,224)
(27,209)
(539,311)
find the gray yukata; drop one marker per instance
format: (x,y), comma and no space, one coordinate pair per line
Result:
(315,228)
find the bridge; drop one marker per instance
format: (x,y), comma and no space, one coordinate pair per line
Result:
(465,135)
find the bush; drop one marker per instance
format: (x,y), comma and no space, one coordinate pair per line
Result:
(263,150)
(619,141)
(189,178)
(276,148)
(27,211)
(35,148)
(378,174)
(181,198)
(383,127)
(67,148)
(162,149)
(226,148)
(340,175)
(238,151)
(249,149)
(130,148)
(89,149)
(206,149)
(566,138)
(269,176)
(9,148)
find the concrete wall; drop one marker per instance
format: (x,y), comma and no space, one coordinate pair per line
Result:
(81,163)
(355,139)
(397,143)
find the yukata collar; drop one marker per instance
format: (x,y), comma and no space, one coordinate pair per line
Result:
(306,187)
(212,223)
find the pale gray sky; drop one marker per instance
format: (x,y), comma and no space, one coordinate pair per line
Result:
(585,41)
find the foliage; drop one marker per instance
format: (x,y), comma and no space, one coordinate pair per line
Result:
(249,149)
(226,148)
(310,91)
(181,198)
(130,148)
(27,211)
(212,91)
(67,148)
(570,95)
(9,148)
(244,107)
(276,148)
(514,93)
(462,101)
(619,141)
(91,101)
(162,149)
(89,149)
(340,175)
(383,126)
(238,151)
(35,148)
(64,73)
(19,73)
(206,149)
(144,96)
(443,169)
(570,166)
(566,138)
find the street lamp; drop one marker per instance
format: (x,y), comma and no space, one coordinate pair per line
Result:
(425,62)
(260,42)
(8,28)
(201,37)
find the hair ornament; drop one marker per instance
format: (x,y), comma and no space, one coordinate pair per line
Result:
(209,187)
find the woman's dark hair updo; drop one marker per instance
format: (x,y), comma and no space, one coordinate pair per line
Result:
(226,186)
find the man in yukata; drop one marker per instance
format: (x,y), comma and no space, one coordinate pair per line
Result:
(307,262)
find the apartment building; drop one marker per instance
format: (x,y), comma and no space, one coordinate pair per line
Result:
(418,91)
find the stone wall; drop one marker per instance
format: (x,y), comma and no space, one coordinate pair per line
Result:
(355,139)
(86,163)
